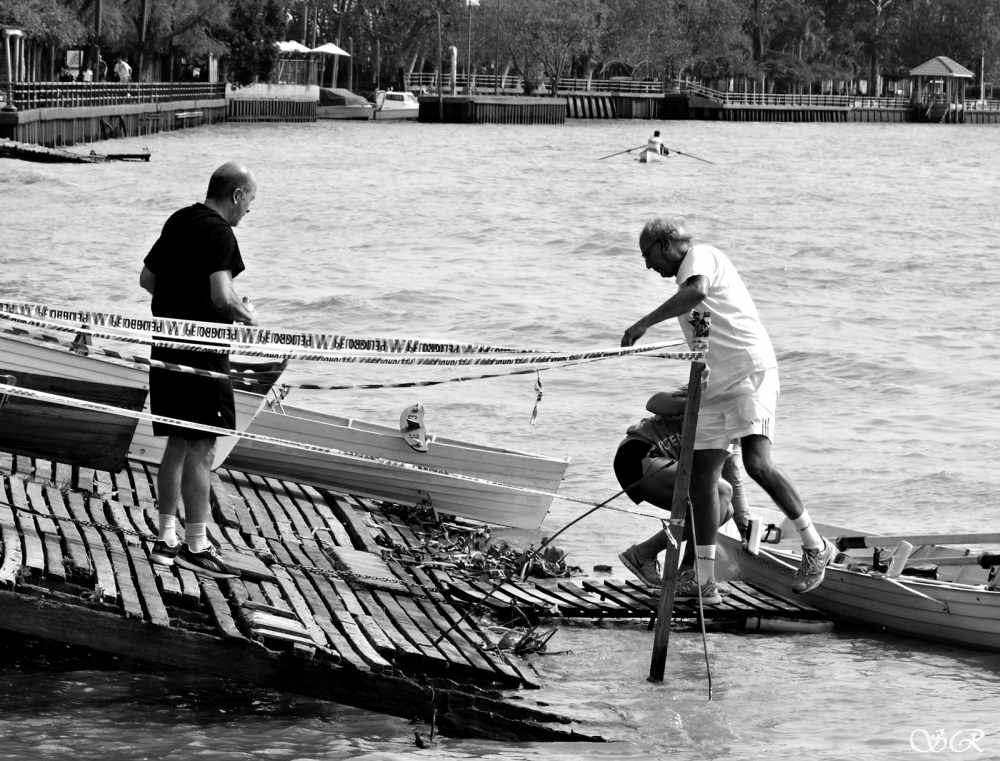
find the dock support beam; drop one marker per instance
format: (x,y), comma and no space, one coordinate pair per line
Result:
(678,509)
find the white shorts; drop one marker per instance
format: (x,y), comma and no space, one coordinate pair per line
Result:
(745,408)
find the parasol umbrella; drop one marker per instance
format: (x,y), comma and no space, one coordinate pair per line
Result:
(291,46)
(330,49)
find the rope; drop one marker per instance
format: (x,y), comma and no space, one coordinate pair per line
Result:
(96,406)
(701,606)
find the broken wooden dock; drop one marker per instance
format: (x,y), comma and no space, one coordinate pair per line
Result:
(331,603)
(30,152)
(316,611)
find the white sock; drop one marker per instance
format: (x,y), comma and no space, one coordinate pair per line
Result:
(168,529)
(196,537)
(705,558)
(810,536)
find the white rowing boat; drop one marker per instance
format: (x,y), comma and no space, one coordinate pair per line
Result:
(941,594)
(48,359)
(498,486)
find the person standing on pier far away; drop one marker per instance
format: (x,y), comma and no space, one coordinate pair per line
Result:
(189,272)
(740,397)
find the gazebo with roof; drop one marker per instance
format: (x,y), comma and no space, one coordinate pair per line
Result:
(940,87)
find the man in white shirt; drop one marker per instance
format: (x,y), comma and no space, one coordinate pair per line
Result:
(740,397)
(123,70)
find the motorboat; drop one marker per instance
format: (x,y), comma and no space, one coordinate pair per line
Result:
(390,104)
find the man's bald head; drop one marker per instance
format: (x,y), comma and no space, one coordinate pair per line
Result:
(228,178)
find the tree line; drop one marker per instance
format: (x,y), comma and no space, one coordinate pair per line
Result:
(784,45)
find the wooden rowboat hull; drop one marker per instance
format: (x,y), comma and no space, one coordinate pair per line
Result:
(65,434)
(489,492)
(956,609)
(25,356)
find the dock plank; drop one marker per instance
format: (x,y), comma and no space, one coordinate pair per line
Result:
(11,564)
(117,551)
(264,525)
(55,564)
(73,542)
(34,552)
(243,517)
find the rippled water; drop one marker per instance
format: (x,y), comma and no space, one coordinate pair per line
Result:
(871,252)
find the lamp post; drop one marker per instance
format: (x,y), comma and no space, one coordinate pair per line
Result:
(468,50)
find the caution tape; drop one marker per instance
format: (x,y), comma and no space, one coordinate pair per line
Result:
(234,376)
(648,350)
(66,401)
(223,335)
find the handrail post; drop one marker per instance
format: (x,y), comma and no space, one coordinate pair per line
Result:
(679,506)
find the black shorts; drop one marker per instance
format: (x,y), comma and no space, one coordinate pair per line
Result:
(628,464)
(194,398)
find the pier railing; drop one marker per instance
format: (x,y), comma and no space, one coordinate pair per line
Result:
(32,95)
(794,99)
(488,83)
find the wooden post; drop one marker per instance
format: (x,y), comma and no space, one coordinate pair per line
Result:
(678,507)
(440,74)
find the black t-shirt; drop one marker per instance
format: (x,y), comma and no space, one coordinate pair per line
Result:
(195,243)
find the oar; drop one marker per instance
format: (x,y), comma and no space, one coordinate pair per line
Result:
(681,153)
(621,152)
(984,560)
(858,542)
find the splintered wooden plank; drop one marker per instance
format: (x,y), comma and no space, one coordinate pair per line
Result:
(122,520)
(84,478)
(312,586)
(298,603)
(405,649)
(63,474)
(55,565)
(300,525)
(275,510)
(6,463)
(409,629)
(145,520)
(10,564)
(439,636)
(451,633)
(146,581)
(224,501)
(118,553)
(318,514)
(219,607)
(610,592)
(264,525)
(169,584)
(239,505)
(104,485)
(345,613)
(238,555)
(144,487)
(356,521)
(595,596)
(34,553)
(73,541)
(370,569)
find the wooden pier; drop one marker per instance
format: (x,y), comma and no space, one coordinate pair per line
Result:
(334,601)
(317,610)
